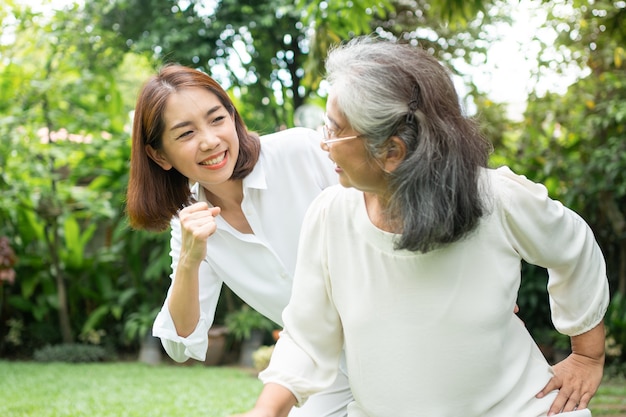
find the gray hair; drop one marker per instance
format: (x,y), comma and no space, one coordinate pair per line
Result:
(386,88)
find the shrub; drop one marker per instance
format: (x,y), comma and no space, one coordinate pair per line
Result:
(261,357)
(72,353)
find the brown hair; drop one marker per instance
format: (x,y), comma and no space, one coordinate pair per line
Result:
(155,195)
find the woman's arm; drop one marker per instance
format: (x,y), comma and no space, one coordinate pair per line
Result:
(548,234)
(197,223)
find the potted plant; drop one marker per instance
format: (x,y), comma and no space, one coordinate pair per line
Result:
(249,327)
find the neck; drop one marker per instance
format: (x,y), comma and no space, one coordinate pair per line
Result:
(225,195)
(377,207)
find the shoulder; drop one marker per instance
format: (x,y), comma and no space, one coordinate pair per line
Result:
(291,140)
(335,198)
(514,189)
(525,206)
(297,152)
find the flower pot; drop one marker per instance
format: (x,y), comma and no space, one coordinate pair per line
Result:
(217,345)
(248,346)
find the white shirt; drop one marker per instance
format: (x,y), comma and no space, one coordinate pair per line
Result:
(435,334)
(292,170)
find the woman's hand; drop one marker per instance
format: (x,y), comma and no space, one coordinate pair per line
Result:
(578,376)
(197,223)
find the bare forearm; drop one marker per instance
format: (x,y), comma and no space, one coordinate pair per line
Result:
(274,401)
(590,344)
(183,304)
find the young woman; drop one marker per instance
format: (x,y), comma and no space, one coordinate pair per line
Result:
(235,203)
(412,265)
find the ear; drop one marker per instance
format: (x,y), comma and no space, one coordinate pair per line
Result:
(157,157)
(395,154)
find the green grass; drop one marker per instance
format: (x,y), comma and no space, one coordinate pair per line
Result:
(610,400)
(123,390)
(129,389)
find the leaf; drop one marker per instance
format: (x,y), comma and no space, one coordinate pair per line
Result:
(95,317)
(618,54)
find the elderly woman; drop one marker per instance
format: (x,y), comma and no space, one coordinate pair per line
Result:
(412,264)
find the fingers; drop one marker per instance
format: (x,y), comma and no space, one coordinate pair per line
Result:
(198,219)
(198,207)
(576,379)
(569,402)
(197,223)
(554,383)
(584,401)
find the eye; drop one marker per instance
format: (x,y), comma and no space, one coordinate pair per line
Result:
(185,134)
(218,119)
(330,132)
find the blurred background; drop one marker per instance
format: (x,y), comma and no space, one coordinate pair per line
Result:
(546,80)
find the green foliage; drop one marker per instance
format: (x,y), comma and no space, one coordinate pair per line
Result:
(139,322)
(270,53)
(242,322)
(64,161)
(71,353)
(532,300)
(615,322)
(576,143)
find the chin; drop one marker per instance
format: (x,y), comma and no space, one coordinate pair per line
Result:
(344,182)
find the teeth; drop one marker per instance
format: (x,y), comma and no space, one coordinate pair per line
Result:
(214,161)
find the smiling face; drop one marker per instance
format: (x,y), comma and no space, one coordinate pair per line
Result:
(199,137)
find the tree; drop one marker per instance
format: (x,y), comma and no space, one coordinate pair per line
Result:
(576,142)
(270,53)
(63,157)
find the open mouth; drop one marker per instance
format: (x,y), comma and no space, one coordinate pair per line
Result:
(216,160)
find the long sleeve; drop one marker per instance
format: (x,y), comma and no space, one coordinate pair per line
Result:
(547,234)
(300,362)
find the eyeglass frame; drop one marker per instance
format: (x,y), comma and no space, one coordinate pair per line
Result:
(327,137)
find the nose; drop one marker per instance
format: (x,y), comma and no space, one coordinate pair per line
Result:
(324,146)
(208,140)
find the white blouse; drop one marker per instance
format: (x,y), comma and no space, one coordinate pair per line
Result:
(291,172)
(435,334)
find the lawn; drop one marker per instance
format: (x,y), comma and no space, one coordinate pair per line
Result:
(130,389)
(610,400)
(30,389)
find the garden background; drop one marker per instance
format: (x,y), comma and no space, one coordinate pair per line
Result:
(73,272)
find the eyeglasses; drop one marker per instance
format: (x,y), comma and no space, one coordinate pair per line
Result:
(329,133)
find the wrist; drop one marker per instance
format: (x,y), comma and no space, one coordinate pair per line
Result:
(188,262)
(590,344)
(598,357)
